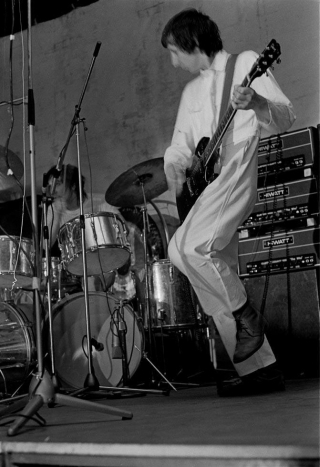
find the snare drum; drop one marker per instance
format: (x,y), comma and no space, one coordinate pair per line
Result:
(69,332)
(172,305)
(106,244)
(16,261)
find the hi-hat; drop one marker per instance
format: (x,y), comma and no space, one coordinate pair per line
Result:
(12,163)
(127,190)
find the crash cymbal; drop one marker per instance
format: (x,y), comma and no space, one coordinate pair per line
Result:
(127,191)
(13,162)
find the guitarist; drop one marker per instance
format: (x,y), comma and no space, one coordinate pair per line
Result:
(205,246)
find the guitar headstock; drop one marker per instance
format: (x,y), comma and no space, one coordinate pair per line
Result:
(270,54)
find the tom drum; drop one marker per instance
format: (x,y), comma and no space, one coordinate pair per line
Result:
(16,261)
(106,244)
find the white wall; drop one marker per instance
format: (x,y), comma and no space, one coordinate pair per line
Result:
(133,94)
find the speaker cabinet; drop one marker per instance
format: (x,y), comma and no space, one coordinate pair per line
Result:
(292,315)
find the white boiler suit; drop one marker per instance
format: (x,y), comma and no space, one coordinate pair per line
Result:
(205,247)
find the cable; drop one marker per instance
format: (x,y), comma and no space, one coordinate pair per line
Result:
(279,155)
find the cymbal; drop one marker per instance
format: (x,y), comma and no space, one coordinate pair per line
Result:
(127,190)
(14,163)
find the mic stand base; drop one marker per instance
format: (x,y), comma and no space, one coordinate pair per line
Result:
(116,389)
(42,392)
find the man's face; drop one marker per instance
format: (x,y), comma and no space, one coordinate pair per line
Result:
(60,190)
(189,62)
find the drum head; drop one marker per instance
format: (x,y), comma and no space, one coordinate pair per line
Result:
(70,343)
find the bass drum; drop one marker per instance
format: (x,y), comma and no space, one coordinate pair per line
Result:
(70,343)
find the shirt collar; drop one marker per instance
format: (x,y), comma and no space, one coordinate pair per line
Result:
(218,64)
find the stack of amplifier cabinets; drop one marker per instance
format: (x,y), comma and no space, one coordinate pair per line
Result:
(279,248)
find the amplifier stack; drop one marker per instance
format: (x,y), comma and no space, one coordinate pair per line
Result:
(279,248)
(282,231)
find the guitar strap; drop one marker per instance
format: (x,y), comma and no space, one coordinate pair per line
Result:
(227,84)
(226,96)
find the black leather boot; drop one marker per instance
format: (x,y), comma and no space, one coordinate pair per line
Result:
(263,381)
(250,332)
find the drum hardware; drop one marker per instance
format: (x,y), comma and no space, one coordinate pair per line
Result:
(145,356)
(41,389)
(147,287)
(138,185)
(119,348)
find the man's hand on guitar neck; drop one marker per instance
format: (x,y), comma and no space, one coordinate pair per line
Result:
(245,98)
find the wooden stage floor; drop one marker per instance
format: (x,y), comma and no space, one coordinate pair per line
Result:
(189,427)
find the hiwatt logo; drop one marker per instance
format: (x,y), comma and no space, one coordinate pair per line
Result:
(274,193)
(270,146)
(278,242)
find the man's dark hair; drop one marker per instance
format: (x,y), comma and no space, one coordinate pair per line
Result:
(190,29)
(70,174)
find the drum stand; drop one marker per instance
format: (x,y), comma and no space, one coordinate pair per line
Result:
(119,333)
(41,389)
(141,181)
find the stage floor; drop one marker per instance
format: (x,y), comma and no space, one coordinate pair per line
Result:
(189,427)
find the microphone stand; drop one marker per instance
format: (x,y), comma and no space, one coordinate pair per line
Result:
(47,274)
(41,389)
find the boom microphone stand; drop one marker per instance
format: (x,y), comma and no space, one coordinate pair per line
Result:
(41,388)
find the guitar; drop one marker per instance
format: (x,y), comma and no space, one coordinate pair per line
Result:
(201,173)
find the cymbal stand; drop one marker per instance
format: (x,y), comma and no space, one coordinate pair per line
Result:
(147,287)
(41,389)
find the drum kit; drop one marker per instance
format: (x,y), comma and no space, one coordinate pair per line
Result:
(90,332)
(119,319)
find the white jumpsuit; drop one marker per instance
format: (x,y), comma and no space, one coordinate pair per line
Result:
(205,247)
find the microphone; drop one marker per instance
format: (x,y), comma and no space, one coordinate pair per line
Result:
(97,345)
(56,174)
(116,347)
